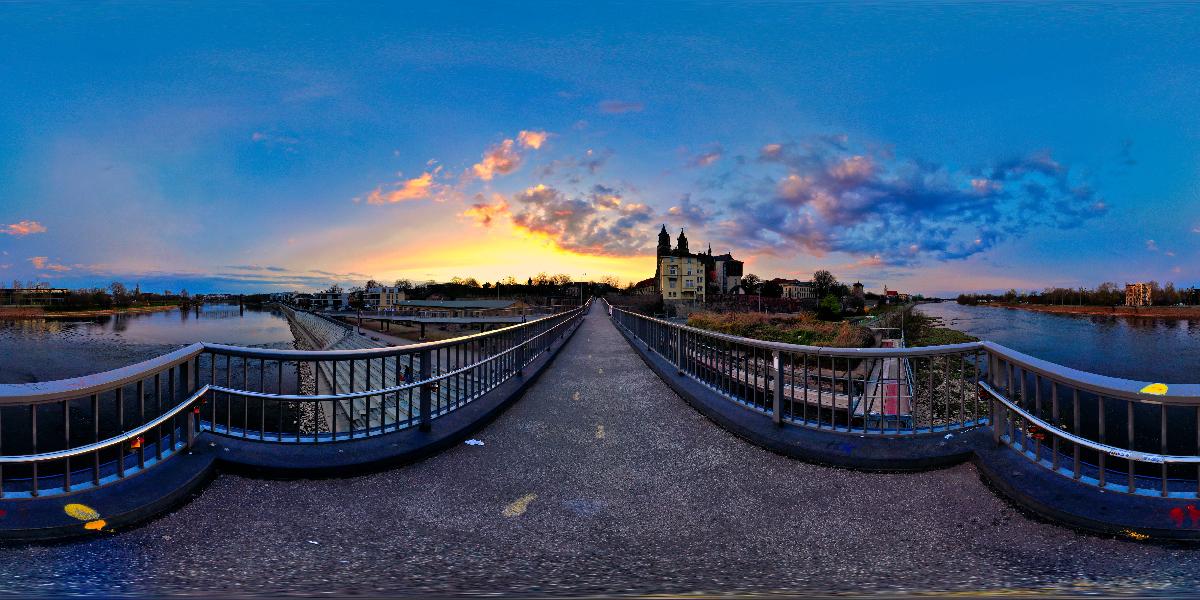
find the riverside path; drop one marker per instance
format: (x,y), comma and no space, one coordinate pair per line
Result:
(600,480)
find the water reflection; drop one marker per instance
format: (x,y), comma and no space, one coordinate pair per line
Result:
(1148,349)
(41,350)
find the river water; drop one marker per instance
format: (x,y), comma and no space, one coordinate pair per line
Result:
(43,350)
(1165,350)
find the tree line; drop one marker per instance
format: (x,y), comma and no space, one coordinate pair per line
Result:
(1105,294)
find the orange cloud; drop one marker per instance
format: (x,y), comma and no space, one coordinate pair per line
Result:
(43,263)
(532,139)
(484,213)
(503,158)
(417,188)
(853,168)
(23,228)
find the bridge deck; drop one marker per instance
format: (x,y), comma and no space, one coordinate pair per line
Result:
(600,480)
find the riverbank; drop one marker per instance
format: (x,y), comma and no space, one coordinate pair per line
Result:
(1151,312)
(22,312)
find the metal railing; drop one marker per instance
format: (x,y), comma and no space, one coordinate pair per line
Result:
(879,391)
(1129,436)
(62,436)
(1117,434)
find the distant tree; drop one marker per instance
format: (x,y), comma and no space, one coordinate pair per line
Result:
(824,283)
(750,283)
(771,289)
(404,284)
(561,279)
(530,282)
(510,280)
(371,283)
(830,308)
(334,289)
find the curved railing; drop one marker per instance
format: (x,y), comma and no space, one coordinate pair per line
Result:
(63,436)
(1116,434)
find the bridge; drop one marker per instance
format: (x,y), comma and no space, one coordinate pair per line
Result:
(386,319)
(618,454)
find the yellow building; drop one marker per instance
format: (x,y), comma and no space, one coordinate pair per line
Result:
(681,278)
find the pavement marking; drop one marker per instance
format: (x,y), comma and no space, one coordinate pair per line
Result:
(575,396)
(599,432)
(518,507)
(96,525)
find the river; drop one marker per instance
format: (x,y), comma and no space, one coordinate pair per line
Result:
(43,350)
(1164,350)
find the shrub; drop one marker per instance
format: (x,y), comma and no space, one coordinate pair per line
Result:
(791,329)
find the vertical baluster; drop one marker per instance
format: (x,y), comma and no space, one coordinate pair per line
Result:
(262,402)
(34,431)
(1163,413)
(1102,422)
(141,393)
(158,434)
(1037,410)
(66,407)
(96,438)
(1132,445)
(1075,429)
(121,429)
(245,400)
(1054,419)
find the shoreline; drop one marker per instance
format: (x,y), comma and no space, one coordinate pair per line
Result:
(1144,312)
(22,314)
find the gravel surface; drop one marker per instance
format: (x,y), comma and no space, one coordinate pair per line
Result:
(600,481)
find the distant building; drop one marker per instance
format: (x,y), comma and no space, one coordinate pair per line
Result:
(330,300)
(725,275)
(1138,294)
(38,296)
(794,289)
(383,297)
(678,274)
(857,290)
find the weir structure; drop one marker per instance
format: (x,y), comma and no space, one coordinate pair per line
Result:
(1097,453)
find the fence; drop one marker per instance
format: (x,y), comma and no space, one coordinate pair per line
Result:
(1116,434)
(63,436)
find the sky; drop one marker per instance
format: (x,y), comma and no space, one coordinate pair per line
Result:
(930,147)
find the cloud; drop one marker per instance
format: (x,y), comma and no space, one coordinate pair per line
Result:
(503,158)
(532,139)
(1151,245)
(272,140)
(835,198)
(707,158)
(616,107)
(484,213)
(43,263)
(571,167)
(22,228)
(691,213)
(598,223)
(417,188)
(1196,229)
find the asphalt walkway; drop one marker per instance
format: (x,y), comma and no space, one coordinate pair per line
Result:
(600,481)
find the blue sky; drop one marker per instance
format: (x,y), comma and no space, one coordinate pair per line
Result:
(930,147)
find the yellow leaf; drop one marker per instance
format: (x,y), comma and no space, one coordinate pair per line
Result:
(82,512)
(1158,389)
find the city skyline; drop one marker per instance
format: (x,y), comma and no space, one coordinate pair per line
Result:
(938,150)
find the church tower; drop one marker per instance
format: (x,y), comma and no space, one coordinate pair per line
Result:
(664,241)
(682,247)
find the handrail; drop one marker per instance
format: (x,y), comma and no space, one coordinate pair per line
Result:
(112,441)
(1082,441)
(364,353)
(60,389)
(380,391)
(1114,387)
(47,391)
(1186,394)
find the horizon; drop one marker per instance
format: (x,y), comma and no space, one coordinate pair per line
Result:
(936,150)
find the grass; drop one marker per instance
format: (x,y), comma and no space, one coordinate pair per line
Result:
(803,329)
